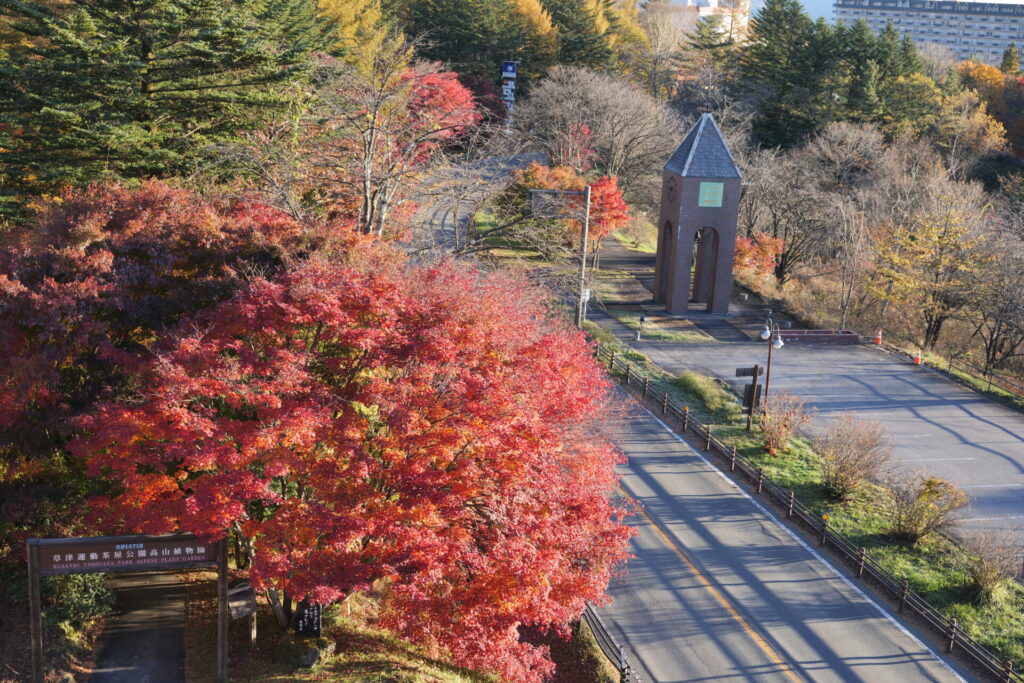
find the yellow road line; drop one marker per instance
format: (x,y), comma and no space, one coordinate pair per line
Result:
(722,600)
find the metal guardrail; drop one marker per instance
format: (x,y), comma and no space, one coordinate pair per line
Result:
(855,557)
(615,653)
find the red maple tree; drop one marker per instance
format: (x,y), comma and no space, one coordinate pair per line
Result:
(430,427)
(85,288)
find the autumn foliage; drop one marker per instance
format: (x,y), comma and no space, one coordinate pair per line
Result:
(365,421)
(608,209)
(85,289)
(758,253)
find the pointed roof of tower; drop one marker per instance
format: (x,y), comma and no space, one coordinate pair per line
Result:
(703,153)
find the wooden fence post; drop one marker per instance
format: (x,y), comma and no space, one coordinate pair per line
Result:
(760,478)
(686,418)
(861,557)
(664,403)
(707,440)
(647,385)
(824,529)
(792,501)
(628,367)
(1008,672)
(732,459)
(904,593)
(952,636)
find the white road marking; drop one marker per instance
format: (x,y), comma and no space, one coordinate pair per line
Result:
(892,620)
(937,459)
(991,519)
(992,486)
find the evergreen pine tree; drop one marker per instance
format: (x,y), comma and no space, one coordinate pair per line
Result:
(888,54)
(862,102)
(796,60)
(581,28)
(473,36)
(910,60)
(779,33)
(1011,61)
(135,89)
(709,37)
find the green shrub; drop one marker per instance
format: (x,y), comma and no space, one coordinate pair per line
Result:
(714,396)
(76,600)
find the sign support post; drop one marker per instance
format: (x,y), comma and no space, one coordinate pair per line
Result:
(222,611)
(36,612)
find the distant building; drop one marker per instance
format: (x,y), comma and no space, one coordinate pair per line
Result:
(972,30)
(735,14)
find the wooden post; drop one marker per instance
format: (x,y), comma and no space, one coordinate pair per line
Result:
(647,385)
(861,558)
(627,374)
(904,593)
(35,612)
(952,636)
(824,529)
(611,360)
(792,500)
(664,403)
(623,666)
(222,611)
(686,418)
(732,459)
(1008,672)
(760,478)
(707,440)
(252,630)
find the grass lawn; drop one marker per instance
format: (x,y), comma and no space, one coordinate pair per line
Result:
(932,567)
(644,241)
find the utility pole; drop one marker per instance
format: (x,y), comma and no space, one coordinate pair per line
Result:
(581,298)
(581,301)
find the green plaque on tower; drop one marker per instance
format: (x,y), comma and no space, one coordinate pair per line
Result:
(711,195)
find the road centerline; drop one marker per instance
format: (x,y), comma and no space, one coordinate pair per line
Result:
(719,597)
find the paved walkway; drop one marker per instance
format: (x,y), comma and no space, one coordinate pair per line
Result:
(143,642)
(718,589)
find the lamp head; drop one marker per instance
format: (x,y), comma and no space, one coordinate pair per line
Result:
(766,333)
(777,343)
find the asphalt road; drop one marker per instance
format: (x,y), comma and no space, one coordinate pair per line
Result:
(719,590)
(935,425)
(143,642)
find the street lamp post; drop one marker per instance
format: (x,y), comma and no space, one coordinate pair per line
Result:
(771,332)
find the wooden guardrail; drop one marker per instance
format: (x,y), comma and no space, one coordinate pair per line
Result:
(856,557)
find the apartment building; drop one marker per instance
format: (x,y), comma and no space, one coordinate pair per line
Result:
(972,30)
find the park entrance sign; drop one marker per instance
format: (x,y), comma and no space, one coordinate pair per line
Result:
(106,554)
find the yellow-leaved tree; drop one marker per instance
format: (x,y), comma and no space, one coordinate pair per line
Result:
(928,264)
(360,27)
(538,38)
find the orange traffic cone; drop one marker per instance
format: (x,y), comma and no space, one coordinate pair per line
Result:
(878,336)
(917,357)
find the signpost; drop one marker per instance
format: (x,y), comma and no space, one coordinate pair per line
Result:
(509,72)
(752,391)
(116,554)
(308,619)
